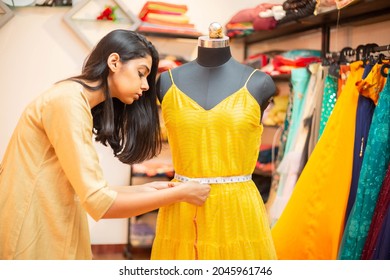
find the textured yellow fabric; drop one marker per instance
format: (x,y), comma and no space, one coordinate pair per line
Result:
(50,173)
(222,141)
(311,225)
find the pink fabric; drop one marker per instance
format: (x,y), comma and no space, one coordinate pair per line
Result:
(250,14)
(264,23)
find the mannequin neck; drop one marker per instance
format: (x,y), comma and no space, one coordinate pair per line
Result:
(212,57)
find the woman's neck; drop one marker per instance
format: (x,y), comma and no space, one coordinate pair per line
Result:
(213,57)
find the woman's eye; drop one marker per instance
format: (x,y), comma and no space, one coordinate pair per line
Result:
(140,74)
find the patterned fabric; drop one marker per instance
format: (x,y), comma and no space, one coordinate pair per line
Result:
(375,163)
(328,101)
(232,224)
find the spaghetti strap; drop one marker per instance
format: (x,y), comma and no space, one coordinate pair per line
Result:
(170,74)
(247,80)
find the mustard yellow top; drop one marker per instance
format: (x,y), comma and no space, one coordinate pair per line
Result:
(221,134)
(49,176)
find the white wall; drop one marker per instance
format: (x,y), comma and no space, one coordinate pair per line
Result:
(37,49)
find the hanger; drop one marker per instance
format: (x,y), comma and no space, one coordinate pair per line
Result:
(383,68)
(360,52)
(345,55)
(368,49)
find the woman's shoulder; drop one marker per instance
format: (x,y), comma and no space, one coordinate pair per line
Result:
(65,91)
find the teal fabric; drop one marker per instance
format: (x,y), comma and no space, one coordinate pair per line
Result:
(299,79)
(328,101)
(374,166)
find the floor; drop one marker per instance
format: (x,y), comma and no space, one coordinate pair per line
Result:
(119,252)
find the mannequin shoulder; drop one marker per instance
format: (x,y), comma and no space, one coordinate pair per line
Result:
(261,82)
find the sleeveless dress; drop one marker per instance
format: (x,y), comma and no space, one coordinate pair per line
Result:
(220,142)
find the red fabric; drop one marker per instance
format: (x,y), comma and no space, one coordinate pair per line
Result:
(260,23)
(381,208)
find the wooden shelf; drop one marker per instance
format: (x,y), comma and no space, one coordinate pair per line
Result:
(361,13)
(169,35)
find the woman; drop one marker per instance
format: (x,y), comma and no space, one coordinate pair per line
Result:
(50,174)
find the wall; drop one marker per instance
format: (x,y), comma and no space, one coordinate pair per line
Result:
(37,49)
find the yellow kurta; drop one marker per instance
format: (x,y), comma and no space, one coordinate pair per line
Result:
(311,225)
(50,175)
(220,142)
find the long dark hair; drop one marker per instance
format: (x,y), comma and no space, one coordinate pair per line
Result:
(132,131)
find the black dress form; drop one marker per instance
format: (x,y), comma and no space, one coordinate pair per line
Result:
(214,75)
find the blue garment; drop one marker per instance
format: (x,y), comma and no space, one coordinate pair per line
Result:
(364,113)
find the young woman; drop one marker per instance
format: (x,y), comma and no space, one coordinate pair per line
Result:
(50,174)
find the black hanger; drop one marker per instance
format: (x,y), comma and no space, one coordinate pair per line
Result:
(383,68)
(368,49)
(345,54)
(360,52)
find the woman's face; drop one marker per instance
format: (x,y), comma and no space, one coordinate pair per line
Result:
(129,79)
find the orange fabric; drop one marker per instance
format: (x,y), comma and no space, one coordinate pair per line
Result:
(312,223)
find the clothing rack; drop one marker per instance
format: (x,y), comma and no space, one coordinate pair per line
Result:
(361,52)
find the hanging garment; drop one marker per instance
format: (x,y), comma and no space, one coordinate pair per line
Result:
(220,142)
(316,120)
(299,81)
(311,225)
(328,101)
(312,114)
(344,72)
(375,163)
(364,113)
(290,166)
(282,146)
(377,244)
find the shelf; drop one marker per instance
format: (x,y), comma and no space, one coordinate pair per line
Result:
(361,13)
(82,18)
(170,35)
(5,13)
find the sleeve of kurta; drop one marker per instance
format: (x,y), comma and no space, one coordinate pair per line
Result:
(68,123)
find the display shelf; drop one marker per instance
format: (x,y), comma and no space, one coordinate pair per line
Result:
(169,35)
(361,13)
(5,13)
(82,18)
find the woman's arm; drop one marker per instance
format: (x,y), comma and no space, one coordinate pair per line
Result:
(136,200)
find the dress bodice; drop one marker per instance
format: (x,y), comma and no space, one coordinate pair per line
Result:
(221,141)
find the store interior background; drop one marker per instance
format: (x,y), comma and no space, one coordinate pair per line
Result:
(37,48)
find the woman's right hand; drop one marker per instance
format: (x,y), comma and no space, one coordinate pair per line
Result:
(194,192)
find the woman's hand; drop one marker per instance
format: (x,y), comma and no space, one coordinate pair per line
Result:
(194,192)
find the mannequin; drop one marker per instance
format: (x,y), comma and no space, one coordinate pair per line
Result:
(212,109)
(215,75)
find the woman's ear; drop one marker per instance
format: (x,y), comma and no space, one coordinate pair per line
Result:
(113,61)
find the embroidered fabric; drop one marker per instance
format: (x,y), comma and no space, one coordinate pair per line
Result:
(375,163)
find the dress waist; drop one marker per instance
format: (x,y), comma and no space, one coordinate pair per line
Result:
(215,180)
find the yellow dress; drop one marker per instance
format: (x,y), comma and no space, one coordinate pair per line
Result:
(311,225)
(220,142)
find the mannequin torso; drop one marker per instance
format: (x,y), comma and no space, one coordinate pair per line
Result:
(215,75)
